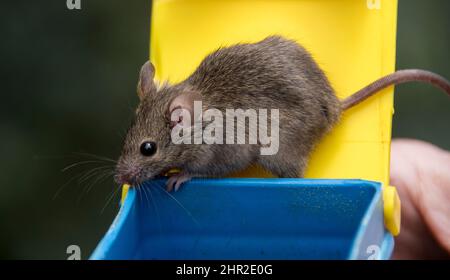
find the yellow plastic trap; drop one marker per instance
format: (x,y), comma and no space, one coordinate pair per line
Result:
(352,40)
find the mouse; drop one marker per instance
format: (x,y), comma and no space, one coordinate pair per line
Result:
(275,72)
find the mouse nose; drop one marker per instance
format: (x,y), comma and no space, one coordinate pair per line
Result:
(126,178)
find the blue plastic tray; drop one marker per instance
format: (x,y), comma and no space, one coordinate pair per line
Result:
(250,219)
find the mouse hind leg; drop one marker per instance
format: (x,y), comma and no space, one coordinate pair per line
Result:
(284,164)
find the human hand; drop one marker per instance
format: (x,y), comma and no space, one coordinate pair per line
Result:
(421,173)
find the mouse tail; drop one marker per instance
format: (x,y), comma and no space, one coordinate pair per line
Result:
(398,77)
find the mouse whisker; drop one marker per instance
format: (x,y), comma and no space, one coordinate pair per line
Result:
(106,174)
(113,193)
(138,188)
(93,172)
(155,207)
(99,157)
(145,193)
(63,186)
(76,164)
(97,179)
(180,204)
(81,177)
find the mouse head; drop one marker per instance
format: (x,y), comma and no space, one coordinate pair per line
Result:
(148,149)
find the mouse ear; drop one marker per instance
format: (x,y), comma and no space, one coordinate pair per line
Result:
(146,83)
(184,103)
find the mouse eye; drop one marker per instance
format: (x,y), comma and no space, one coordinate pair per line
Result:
(148,148)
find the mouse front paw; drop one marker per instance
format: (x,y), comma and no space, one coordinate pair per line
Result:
(175,181)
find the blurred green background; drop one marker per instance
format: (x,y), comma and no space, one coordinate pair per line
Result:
(68,82)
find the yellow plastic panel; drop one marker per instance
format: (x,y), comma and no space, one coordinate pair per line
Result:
(352,40)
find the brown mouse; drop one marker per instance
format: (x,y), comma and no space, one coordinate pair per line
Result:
(273,73)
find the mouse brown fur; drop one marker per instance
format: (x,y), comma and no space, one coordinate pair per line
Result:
(273,73)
